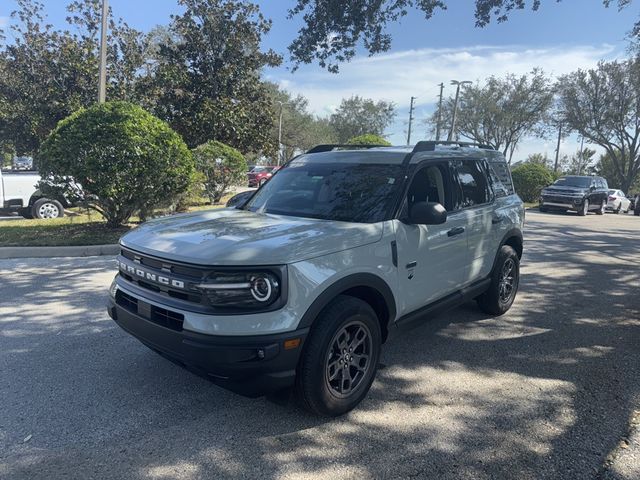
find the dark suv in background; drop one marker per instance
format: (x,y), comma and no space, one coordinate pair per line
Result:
(579,193)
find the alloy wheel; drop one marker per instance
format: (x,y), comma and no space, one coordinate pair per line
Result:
(348,359)
(508,278)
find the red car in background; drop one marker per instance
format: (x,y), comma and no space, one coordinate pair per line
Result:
(260,174)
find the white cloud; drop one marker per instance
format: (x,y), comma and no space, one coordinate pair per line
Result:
(4,21)
(397,76)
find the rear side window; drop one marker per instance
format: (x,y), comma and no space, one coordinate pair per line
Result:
(500,174)
(473,182)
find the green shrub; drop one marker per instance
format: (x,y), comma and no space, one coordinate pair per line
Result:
(125,159)
(222,167)
(369,139)
(529,179)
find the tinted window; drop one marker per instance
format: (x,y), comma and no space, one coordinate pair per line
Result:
(581,182)
(500,174)
(431,184)
(474,187)
(352,192)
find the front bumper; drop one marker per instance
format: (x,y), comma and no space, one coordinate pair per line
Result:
(248,365)
(561,202)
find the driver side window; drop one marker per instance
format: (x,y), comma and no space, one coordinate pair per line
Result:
(431,184)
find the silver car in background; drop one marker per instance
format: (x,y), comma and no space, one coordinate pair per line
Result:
(618,202)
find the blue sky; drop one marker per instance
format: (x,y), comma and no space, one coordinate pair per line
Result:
(559,38)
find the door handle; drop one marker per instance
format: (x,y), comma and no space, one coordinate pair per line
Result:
(455,231)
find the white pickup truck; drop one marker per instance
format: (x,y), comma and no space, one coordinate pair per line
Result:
(19,193)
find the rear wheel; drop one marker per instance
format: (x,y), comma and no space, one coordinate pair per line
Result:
(505,280)
(340,358)
(47,209)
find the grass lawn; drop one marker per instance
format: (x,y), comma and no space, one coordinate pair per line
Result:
(77,228)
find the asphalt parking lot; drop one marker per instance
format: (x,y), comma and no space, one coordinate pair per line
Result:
(546,391)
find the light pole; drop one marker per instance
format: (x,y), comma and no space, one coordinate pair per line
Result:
(455,106)
(102,77)
(439,113)
(280,149)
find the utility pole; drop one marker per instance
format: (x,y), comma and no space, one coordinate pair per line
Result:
(455,106)
(410,121)
(439,113)
(280,149)
(581,164)
(555,165)
(102,79)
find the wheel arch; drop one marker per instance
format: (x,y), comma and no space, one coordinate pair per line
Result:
(365,286)
(514,239)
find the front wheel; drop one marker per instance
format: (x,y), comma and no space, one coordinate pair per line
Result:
(584,209)
(505,280)
(602,208)
(340,357)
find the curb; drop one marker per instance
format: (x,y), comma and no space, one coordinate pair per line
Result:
(47,252)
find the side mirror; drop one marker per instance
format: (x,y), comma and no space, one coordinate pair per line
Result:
(592,188)
(427,213)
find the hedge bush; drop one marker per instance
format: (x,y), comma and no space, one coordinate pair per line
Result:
(125,159)
(369,139)
(529,179)
(222,167)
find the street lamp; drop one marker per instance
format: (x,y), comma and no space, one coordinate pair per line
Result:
(102,76)
(280,149)
(455,106)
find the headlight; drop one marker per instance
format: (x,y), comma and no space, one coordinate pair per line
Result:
(241,289)
(113,288)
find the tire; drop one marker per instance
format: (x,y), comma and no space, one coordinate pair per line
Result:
(47,209)
(497,300)
(340,324)
(585,208)
(602,208)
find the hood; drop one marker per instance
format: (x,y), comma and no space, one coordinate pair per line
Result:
(564,189)
(238,237)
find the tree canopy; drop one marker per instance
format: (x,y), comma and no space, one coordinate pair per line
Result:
(359,116)
(603,105)
(333,31)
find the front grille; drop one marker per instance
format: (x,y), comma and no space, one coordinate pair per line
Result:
(126,301)
(158,315)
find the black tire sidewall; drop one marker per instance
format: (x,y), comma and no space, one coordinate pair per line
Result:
(311,383)
(490,301)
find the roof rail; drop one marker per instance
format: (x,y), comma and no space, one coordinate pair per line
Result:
(332,146)
(430,145)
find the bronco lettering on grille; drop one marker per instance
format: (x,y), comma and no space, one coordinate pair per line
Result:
(153,277)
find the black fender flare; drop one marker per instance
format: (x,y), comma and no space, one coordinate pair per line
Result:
(513,233)
(342,285)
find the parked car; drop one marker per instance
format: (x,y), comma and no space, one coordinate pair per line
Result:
(632,200)
(342,248)
(618,202)
(22,163)
(259,175)
(573,192)
(636,205)
(19,193)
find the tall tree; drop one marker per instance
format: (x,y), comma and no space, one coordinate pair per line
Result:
(603,105)
(54,72)
(301,129)
(206,81)
(334,30)
(359,116)
(502,111)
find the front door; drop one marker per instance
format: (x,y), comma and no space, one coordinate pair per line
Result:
(432,259)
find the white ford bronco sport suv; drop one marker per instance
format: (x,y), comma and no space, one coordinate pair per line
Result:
(302,283)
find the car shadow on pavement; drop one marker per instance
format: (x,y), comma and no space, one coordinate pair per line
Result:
(544,391)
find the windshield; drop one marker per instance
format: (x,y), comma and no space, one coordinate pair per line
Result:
(333,191)
(582,182)
(261,169)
